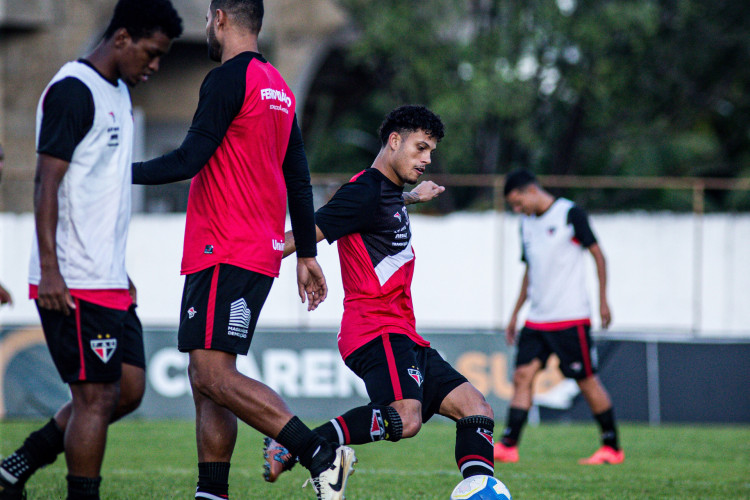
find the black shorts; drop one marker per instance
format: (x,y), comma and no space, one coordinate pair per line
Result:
(220,308)
(394,367)
(574,347)
(91,343)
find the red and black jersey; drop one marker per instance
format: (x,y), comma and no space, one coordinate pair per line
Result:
(245,151)
(368,218)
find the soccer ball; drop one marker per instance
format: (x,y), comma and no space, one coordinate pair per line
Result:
(480,488)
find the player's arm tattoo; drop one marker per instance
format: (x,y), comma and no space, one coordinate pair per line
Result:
(410,198)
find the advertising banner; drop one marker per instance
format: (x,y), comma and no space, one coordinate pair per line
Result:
(654,382)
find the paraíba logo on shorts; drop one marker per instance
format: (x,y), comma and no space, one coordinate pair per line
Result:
(239,319)
(104,347)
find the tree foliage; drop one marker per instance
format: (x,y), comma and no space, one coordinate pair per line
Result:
(590,87)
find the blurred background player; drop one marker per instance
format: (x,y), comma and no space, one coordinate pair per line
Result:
(408,381)
(77,272)
(5,297)
(245,153)
(554,235)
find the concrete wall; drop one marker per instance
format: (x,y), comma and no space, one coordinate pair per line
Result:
(468,273)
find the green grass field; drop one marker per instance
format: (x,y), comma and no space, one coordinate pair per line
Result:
(156,460)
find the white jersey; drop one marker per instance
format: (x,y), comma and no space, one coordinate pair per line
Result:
(554,245)
(94,195)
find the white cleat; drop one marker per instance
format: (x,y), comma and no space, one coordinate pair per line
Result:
(331,483)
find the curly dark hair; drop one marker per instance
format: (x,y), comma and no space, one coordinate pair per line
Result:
(143,18)
(247,13)
(408,119)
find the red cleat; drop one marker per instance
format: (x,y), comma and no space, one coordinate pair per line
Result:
(508,454)
(604,455)
(277,459)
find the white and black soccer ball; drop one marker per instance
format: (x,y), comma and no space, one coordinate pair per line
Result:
(480,488)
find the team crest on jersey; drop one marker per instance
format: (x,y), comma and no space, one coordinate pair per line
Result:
(398,216)
(486,435)
(551,230)
(104,348)
(377,427)
(191,312)
(416,375)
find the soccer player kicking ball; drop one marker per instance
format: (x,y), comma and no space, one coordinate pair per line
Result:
(555,234)
(407,381)
(77,273)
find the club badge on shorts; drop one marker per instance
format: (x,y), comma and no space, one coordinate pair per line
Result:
(416,375)
(104,347)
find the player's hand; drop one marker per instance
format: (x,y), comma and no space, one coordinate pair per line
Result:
(510,331)
(54,293)
(133,292)
(311,282)
(5,297)
(427,190)
(605,314)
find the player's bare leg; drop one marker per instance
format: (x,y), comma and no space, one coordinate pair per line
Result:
(219,389)
(601,407)
(475,425)
(44,445)
(86,434)
(132,388)
(506,449)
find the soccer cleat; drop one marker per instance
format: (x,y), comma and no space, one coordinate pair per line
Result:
(11,492)
(508,454)
(604,455)
(331,483)
(277,459)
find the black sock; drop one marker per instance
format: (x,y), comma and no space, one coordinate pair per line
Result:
(606,421)
(39,449)
(362,425)
(516,420)
(83,488)
(213,479)
(474,449)
(315,453)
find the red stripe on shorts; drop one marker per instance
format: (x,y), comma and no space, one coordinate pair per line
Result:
(392,371)
(211,307)
(344,428)
(82,371)
(585,351)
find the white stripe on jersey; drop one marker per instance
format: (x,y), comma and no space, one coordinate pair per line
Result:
(389,265)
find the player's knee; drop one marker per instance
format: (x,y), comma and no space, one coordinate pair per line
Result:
(411,419)
(523,377)
(96,400)
(207,383)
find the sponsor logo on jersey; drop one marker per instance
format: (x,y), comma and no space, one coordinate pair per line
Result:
(191,312)
(551,230)
(377,427)
(277,245)
(104,347)
(239,319)
(486,434)
(416,375)
(209,249)
(112,114)
(398,216)
(276,95)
